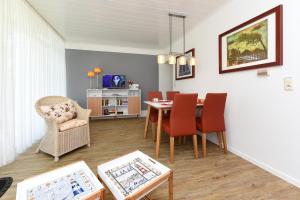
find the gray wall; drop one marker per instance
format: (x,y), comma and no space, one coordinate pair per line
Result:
(142,69)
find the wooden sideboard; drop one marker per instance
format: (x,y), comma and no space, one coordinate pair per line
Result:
(114,103)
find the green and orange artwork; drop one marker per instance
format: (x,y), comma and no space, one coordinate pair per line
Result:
(248,45)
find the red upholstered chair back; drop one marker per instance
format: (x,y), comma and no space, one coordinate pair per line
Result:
(171,95)
(212,116)
(182,119)
(153,112)
(154,94)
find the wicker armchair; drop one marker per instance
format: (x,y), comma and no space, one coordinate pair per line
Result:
(57,142)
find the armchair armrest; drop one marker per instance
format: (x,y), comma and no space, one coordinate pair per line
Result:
(82,113)
(51,125)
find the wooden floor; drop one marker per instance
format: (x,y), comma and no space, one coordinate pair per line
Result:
(217,177)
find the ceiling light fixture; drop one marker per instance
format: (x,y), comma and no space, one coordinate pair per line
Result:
(171,57)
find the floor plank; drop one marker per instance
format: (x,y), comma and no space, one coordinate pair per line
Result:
(217,177)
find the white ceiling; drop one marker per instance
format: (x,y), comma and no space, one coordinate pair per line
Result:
(131,23)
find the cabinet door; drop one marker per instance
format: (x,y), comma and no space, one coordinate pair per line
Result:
(95,104)
(134,105)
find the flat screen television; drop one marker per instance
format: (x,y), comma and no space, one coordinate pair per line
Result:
(113,81)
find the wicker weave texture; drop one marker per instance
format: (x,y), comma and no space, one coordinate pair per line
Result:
(58,143)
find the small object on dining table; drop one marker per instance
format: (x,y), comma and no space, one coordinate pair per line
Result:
(160,101)
(200,100)
(155,99)
(164,100)
(167,103)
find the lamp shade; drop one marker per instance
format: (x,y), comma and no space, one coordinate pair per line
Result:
(172,60)
(161,59)
(182,60)
(97,70)
(91,74)
(192,61)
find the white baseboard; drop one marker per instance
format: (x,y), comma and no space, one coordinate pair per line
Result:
(264,166)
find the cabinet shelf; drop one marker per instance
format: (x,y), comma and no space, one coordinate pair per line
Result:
(122,100)
(114,96)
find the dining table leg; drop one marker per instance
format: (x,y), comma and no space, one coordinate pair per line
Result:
(147,122)
(158,132)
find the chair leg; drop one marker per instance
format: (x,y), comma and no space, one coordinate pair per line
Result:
(224,141)
(171,149)
(195,144)
(56,158)
(38,149)
(204,145)
(147,122)
(219,135)
(153,129)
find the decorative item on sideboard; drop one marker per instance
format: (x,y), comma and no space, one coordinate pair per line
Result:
(91,75)
(130,82)
(98,71)
(134,86)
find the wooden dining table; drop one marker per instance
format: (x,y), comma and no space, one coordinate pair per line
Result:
(161,106)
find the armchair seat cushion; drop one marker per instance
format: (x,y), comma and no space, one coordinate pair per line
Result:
(73,123)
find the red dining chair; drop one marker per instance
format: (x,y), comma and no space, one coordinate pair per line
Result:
(212,119)
(182,121)
(153,117)
(171,95)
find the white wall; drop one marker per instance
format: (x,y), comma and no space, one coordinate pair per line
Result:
(165,78)
(263,120)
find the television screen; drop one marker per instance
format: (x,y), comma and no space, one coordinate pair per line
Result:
(114,81)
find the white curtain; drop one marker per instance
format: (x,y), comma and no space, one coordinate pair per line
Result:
(32,61)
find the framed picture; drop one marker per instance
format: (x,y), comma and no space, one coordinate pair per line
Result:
(185,71)
(256,43)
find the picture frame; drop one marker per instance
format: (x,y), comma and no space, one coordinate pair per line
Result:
(185,71)
(256,43)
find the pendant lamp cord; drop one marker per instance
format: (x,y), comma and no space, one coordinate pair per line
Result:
(183,35)
(170,32)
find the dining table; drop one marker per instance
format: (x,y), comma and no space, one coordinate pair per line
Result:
(161,106)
